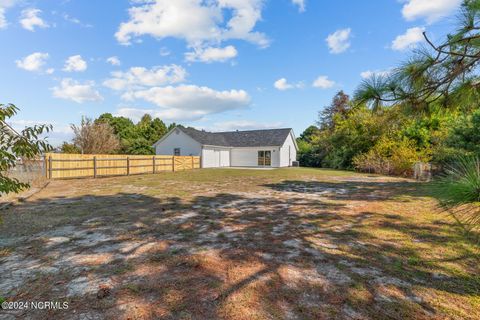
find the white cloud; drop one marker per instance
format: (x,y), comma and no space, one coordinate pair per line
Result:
(75,64)
(409,39)
(301,4)
(4,5)
(197,22)
(190,102)
(323,82)
(3,20)
(168,114)
(242,125)
(339,41)
(379,73)
(114,61)
(30,19)
(212,54)
(431,10)
(138,77)
(70,89)
(33,62)
(282,84)
(50,71)
(76,21)
(164,52)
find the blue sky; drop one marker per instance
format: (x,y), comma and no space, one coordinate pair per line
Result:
(215,64)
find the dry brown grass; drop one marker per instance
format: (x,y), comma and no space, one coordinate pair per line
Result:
(239,244)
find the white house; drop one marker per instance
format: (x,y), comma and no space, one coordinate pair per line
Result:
(254,148)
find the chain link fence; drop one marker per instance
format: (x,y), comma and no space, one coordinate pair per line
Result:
(30,171)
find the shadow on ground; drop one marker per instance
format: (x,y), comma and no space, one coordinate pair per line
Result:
(300,252)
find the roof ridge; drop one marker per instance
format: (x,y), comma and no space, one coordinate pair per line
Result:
(250,130)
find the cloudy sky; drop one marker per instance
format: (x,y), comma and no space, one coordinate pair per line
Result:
(213,64)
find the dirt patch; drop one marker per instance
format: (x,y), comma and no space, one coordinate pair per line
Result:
(234,244)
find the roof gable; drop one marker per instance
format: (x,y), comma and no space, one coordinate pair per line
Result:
(251,138)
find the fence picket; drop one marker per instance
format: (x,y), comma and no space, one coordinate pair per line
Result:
(60,166)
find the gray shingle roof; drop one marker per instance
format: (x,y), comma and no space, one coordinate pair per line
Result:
(251,138)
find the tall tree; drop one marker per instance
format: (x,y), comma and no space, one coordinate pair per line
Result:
(446,71)
(135,138)
(339,107)
(309,134)
(92,138)
(14,145)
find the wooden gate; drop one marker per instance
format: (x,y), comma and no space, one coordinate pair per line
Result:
(185,163)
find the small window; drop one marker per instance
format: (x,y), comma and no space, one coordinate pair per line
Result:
(176,151)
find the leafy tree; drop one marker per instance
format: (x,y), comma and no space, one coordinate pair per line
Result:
(309,134)
(465,134)
(442,71)
(171,126)
(339,107)
(93,138)
(389,156)
(69,148)
(136,138)
(13,145)
(139,146)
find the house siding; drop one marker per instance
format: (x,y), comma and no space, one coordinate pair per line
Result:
(214,157)
(248,157)
(178,139)
(288,152)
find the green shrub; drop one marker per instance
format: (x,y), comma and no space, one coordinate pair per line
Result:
(389,157)
(458,191)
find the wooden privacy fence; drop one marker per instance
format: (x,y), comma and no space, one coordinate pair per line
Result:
(61,166)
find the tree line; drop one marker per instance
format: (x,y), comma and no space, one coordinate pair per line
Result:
(109,134)
(426,109)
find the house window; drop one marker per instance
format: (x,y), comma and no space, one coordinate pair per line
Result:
(265,158)
(176,151)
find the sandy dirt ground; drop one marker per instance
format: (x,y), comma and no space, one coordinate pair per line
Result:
(237,244)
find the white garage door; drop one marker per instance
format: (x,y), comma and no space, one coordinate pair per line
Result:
(215,158)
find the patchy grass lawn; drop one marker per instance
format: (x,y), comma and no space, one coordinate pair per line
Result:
(238,244)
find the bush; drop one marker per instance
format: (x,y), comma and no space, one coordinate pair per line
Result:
(389,157)
(458,191)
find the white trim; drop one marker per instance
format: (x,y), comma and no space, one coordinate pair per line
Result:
(214,146)
(293,138)
(170,132)
(164,137)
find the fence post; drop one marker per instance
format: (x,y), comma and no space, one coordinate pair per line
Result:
(45,165)
(173,163)
(94,167)
(154,165)
(128,166)
(193,164)
(50,161)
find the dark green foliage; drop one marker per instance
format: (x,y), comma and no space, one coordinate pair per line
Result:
(138,146)
(458,191)
(446,70)
(69,148)
(136,138)
(26,144)
(339,107)
(465,134)
(309,134)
